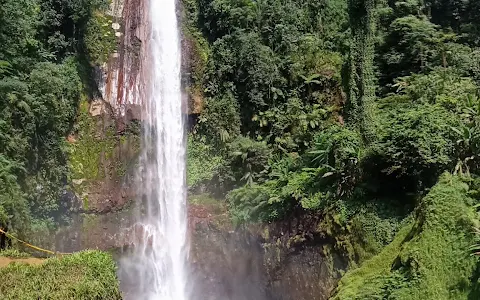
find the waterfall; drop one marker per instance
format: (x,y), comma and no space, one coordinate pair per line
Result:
(156,266)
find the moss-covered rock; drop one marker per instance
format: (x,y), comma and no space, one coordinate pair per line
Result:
(429,257)
(196,53)
(99,157)
(85,275)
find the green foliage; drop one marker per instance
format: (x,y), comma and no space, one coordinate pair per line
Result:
(40,89)
(100,38)
(85,154)
(415,142)
(372,226)
(244,163)
(84,275)
(326,173)
(308,60)
(13,203)
(411,45)
(264,53)
(363,22)
(428,259)
(291,125)
(64,25)
(18,21)
(202,161)
(249,204)
(13,253)
(36,116)
(338,150)
(410,70)
(252,67)
(219,121)
(444,86)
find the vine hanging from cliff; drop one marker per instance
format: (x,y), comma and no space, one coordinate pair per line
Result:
(363,20)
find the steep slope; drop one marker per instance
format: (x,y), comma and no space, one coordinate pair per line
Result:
(429,257)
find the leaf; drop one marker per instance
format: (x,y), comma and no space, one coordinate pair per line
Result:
(456,130)
(328,174)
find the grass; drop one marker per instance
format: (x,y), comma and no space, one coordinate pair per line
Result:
(84,275)
(13,253)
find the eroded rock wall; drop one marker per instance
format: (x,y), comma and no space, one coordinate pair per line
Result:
(286,260)
(121,79)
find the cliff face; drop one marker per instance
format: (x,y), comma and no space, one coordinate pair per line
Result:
(104,149)
(279,261)
(282,261)
(105,146)
(120,79)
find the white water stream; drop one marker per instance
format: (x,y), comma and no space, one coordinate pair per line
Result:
(156,266)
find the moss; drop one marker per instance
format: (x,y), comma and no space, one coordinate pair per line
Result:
(90,222)
(97,153)
(377,267)
(85,203)
(84,275)
(428,259)
(199,54)
(374,226)
(85,153)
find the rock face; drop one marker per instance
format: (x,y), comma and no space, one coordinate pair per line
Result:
(280,261)
(120,80)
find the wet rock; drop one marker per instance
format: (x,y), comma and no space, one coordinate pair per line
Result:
(275,261)
(264,262)
(133,112)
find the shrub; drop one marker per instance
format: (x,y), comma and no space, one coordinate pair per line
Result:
(339,150)
(415,143)
(256,203)
(202,161)
(245,162)
(219,122)
(100,38)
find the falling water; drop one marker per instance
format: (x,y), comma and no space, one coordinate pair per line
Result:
(155,267)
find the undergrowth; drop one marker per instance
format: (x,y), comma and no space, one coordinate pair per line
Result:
(84,275)
(429,257)
(13,253)
(201,162)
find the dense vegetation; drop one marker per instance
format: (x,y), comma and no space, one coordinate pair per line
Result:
(44,72)
(84,275)
(428,258)
(352,110)
(347,109)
